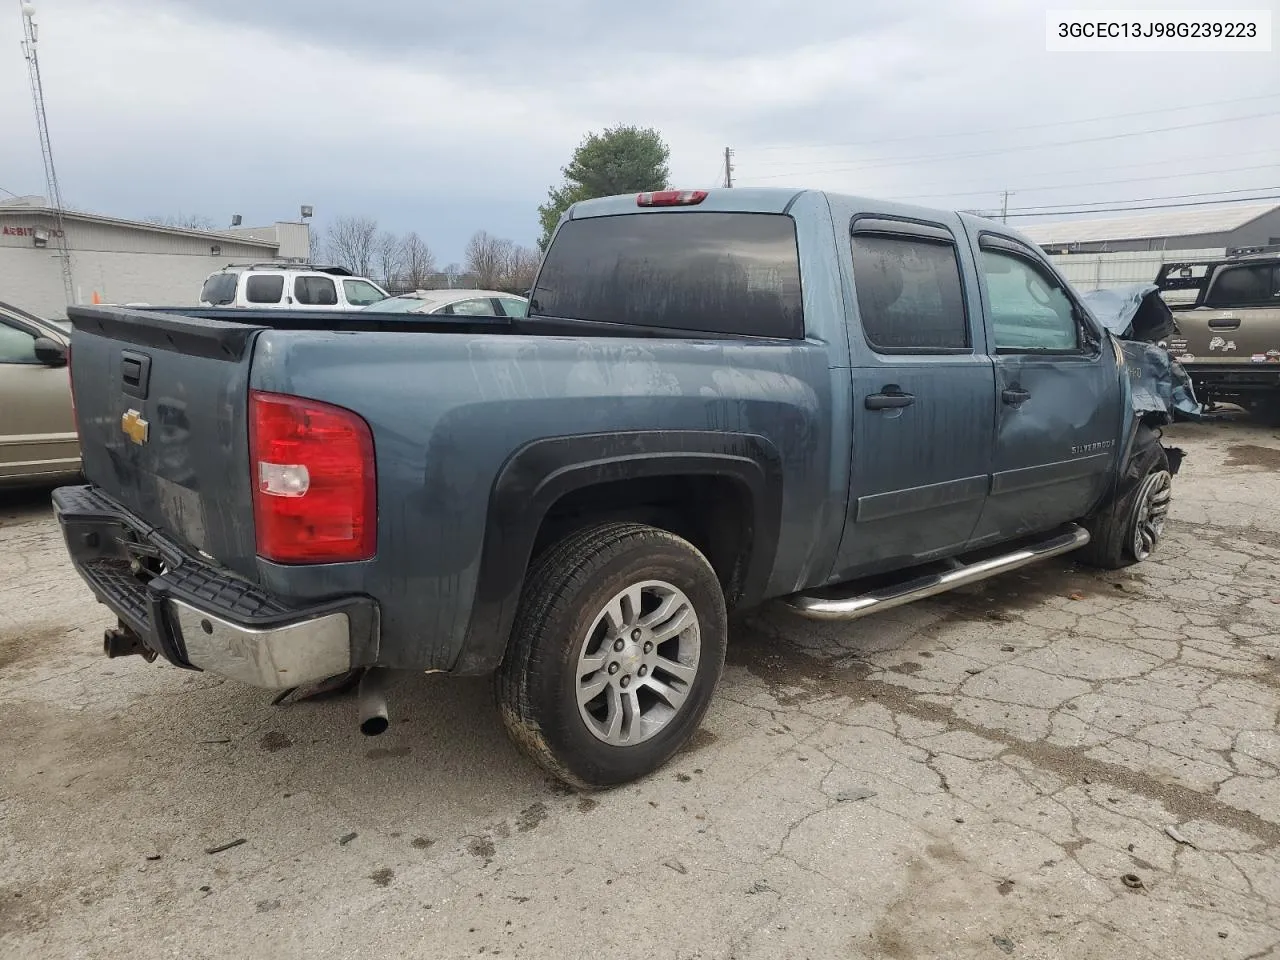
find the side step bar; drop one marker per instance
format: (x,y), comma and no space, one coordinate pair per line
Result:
(818,607)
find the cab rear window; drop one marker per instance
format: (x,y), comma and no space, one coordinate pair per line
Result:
(736,273)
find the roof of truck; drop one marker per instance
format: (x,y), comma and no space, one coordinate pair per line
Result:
(781,200)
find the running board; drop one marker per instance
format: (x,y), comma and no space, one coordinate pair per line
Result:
(817,607)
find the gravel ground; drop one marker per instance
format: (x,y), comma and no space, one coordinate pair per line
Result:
(1059,763)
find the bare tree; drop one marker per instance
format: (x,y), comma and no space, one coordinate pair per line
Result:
(315,244)
(390,256)
(184,221)
(352,243)
(522,267)
(418,263)
(487,258)
(452,272)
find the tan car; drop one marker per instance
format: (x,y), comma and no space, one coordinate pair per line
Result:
(38,440)
(1228,339)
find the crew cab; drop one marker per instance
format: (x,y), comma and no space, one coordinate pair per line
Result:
(716,399)
(1228,337)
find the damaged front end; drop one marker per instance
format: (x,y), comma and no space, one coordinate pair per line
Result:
(1160,390)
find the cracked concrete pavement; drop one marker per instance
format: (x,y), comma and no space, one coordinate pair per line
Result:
(976,775)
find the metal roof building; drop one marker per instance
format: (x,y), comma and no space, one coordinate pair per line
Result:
(122,261)
(1237,225)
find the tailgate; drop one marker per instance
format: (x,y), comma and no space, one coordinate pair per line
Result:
(1226,337)
(161,406)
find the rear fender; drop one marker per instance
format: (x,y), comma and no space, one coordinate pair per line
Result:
(540,473)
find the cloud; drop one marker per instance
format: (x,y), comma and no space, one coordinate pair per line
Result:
(447,118)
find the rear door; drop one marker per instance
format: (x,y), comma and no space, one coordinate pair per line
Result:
(923,398)
(314,291)
(1237,322)
(37,432)
(1058,397)
(265,290)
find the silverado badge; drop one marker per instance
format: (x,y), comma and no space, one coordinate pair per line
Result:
(134,427)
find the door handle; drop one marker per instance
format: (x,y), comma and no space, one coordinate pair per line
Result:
(890,399)
(1014,396)
(1224,323)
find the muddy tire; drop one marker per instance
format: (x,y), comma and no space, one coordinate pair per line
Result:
(1129,528)
(617,646)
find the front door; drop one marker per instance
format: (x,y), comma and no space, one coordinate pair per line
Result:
(37,431)
(1058,396)
(923,399)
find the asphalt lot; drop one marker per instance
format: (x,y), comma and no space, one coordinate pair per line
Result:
(971,776)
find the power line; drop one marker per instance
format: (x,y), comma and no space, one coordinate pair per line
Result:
(1080,207)
(1159,206)
(1092,183)
(1030,126)
(1235,154)
(891,161)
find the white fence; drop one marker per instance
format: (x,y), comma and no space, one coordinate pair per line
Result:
(1089,271)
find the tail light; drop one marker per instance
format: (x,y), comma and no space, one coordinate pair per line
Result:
(315,494)
(670,198)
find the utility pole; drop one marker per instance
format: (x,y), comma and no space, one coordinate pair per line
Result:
(728,167)
(30,33)
(1004,208)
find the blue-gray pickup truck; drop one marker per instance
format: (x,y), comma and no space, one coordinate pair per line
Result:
(716,399)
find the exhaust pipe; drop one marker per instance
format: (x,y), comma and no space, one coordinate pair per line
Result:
(373,701)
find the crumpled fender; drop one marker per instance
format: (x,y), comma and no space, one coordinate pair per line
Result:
(1158,389)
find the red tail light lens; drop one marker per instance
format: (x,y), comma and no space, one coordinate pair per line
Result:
(670,198)
(315,496)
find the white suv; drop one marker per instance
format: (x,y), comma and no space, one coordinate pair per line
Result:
(289,286)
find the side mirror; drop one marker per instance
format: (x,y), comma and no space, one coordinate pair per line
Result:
(50,352)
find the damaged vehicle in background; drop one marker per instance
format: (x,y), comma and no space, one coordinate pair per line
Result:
(716,399)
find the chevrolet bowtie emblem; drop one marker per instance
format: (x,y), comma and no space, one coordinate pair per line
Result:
(134,427)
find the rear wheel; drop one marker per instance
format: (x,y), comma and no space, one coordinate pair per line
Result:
(1129,528)
(616,649)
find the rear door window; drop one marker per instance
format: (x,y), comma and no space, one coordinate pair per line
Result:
(219,289)
(909,294)
(1253,285)
(315,291)
(733,273)
(264,288)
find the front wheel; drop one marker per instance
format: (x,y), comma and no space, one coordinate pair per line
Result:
(1127,530)
(617,646)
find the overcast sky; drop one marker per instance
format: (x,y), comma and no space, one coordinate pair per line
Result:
(447,119)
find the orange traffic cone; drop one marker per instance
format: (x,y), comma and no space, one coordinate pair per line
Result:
(96,298)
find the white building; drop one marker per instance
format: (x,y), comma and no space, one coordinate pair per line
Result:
(1197,228)
(1131,249)
(123,261)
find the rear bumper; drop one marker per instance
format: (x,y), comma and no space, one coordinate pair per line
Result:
(1234,378)
(201,617)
